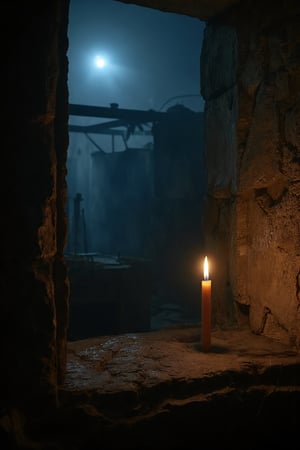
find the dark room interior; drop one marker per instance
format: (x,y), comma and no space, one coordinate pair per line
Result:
(215,233)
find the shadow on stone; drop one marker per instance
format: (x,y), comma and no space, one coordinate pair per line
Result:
(214,349)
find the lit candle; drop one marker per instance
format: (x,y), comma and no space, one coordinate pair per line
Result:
(206,309)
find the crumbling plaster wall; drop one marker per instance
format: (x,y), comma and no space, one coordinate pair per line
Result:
(250,77)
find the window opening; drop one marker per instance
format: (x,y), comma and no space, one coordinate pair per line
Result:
(135,168)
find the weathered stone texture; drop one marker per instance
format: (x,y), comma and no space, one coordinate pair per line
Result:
(217,226)
(147,384)
(269,180)
(200,8)
(60,275)
(218,60)
(33,143)
(292,128)
(259,165)
(218,81)
(253,161)
(220,143)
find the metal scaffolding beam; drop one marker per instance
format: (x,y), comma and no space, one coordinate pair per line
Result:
(114,112)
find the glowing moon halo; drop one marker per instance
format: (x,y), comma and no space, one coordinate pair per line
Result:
(100,62)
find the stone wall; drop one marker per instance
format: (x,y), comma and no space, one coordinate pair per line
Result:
(250,81)
(219,89)
(34,286)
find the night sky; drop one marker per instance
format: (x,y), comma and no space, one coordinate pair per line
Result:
(151,56)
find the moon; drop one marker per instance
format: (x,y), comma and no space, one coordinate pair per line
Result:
(100,62)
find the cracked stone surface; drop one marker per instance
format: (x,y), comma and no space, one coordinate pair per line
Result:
(158,388)
(141,361)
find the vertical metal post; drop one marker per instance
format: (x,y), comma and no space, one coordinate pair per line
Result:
(113,143)
(76,219)
(85,242)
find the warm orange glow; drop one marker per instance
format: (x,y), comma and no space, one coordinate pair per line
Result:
(206,309)
(206,272)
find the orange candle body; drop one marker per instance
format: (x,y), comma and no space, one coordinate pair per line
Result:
(206,310)
(206,315)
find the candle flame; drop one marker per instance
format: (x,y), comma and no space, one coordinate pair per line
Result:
(206,273)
